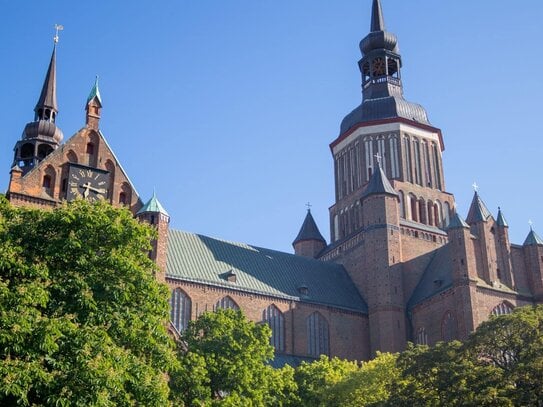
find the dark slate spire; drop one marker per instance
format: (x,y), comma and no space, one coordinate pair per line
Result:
(501,219)
(377,20)
(478,212)
(47,103)
(533,239)
(379,184)
(309,230)
(457,222)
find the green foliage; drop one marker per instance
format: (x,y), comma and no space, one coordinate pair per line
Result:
(368,386)
(226,363)
(82,318)
(314,380)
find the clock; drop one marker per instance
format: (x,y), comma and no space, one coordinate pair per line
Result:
(87,183)
(378,67)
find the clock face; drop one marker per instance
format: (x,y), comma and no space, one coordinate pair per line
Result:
(87,183)
(378,67)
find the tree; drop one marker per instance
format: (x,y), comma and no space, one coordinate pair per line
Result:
(513,344)
(315,379)
(82,318)
(225,362)
(368,386)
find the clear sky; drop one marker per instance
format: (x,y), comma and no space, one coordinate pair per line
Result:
(227,108)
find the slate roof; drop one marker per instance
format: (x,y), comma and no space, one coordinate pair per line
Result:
(436,278)
(202,259)
(501,219)
(379,184)
(309,230)
(533,239)
(457,222)
(48,95)
(478,212)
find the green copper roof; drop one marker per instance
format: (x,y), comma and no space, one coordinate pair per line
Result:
(501,220)
(533,239)
(309,230)
(153,205)
(478,212)
(206,260)
(95,92)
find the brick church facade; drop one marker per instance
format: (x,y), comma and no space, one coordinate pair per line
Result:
(402,264)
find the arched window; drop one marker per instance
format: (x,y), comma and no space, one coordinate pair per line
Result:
(430,208)
(414,208)
(449,329)
(422,337)
(122,198)
(446,214)
(276,321)
(318,335)
(44,150)
(180,309)
(402,204)
(72,157)
(226,303)
(439,214)
(502,309)
(422,211)
(90,148)
(46,182)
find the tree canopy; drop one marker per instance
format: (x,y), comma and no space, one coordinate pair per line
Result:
(82,318)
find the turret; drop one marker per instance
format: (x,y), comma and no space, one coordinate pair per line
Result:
(505,267)
(41,136)
(383,285)
(533,256)
(155,215)
(462,253)
(483,226)
(309,242)
(93,107)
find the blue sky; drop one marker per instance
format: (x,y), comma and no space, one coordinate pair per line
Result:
(227,108)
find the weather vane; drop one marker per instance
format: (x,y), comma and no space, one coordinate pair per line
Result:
(475,187)
(58,28)
(308,206)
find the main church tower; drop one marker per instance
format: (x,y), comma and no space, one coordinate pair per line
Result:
(390,201)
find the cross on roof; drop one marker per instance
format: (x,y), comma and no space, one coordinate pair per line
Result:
(308,205)
(378,158)
(475,187)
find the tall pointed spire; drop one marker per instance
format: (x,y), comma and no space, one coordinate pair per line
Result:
(377,20)
(47,108)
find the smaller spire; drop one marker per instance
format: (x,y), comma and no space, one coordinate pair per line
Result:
(533,239)
(379,183)
(48,95)
(501,219)
(153,205)
(309,230)
(478,212)
(457,222)
(95,92)
(377,20)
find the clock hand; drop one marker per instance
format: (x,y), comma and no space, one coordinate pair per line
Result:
(98,190)
(87,187)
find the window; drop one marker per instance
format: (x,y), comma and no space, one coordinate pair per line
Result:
(275,320)
(448,327)
(317,335)
(422,337)
(90,148)
(122,198)
(180,309)
(502,309)
(46,182)
(226,303)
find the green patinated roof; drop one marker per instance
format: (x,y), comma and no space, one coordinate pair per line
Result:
(436,278)
(533,239)
(203,259)
(95,92)
(153,205)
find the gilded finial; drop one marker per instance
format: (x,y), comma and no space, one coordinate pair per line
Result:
(58,28)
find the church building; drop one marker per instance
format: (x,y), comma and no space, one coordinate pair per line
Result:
(402,265)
